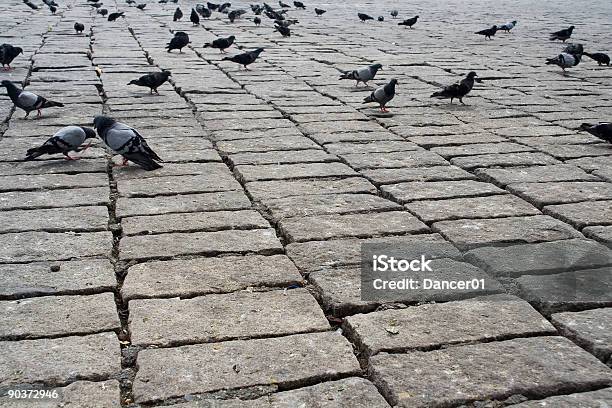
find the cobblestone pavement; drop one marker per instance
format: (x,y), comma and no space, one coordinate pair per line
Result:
(230,278)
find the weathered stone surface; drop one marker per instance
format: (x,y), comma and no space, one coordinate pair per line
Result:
(224,317)
(38,182)
(563,192)
(535,174)
(202,276)
(594,399)
(371,147)
(480,148)
(406,192)
(41,316)
(504,160)
(603,234)
(278,361)
(582,214)
(484,318)
(54,198)
(540,366)
(261,190)
(261,241)
(591,329)
(266,144)
(215,181)
(394,160)
(78,219)
(434,173)
(468,234)
(79,394)
(282,157)
(91,357)
(293,171)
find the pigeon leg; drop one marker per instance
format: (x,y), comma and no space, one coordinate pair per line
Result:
(39,114)
(27,114)
(86,147)
(384,109)
(125,162)
(156,91)
(461,100)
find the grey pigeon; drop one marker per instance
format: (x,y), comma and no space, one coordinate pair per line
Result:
(178,14)
(363,74)
(221,43)
(457,90)
(602,130)
(599,57)
(78,27)
(488,33)
(562,34)
(180,40)
(508,26)
(246,58)
(126,141)
(67,139)
(203,10)
(28,101)
(383,95)
(153,80)
(409,22)
(7,54)
(565,60)
(394,13)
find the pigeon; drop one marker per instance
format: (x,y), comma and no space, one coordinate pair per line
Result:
(284,30)
(364,17)
(600,57)
(180,40)
(299,4)
(256,8)
(320,12)
(141,6)
(67,139)
(562,34)
(8,53)
(602,130)
(114,16)
(508,26)
(394,13)
(488,33)
(102,12)
(383,95)
(53,9)
(203,11)
(30,5)
(178,14)
(457,90)
(28,101)
(283,5)
(97,5)
(246,58)
(285,23)
(257,21)
(78,27)
(221,43)
(126,141)
(574,49)
(153,80)
(363,74)
(212,6)
(194,18)
(234,14)
(409,22)
(130,2)
(223,8)
(381,18)
(565,60)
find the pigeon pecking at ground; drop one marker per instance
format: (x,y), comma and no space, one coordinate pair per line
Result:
(488,33)
(599,57)
(508,26)
(457,90)
(234,14)
(102,12)
(319,12)
(126,141)
(114,16)
(565,60)
(221,43)
(602,130)
(299,4)
(194,17)
(285,31)
(283,5)
(7,54)
(562,34)
(409,22)
(152,81)
(67,139)
(28,101)
(141,6)
(246,58)
(382,95)
(363,74)
(178,14)
(78,27)
(180,40)
(364,17)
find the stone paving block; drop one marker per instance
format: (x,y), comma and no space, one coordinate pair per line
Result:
(282,157)
(339,126)
(504,160)
(317,228)
(18,200)
(78,219)
(79,394)
(204,183)
(370,147)
(541,194)
(423,190)
(591,399)
(261,190)
(266,144)
(434,173)
(535,366)
(603,234)
(293,171)
(32,279)
(487,318)
(92,357)
(535,174)
(58,315)
(58,167)
(37,246)
(169,169)
(505,205)
(283,361)
(301,206)
(468,234)
(261,241)
(480,148)
(455,139)
(223,200)
(325,137)
(568,291)
(394,160)
(221,317)
(200,221)
(580,215)
(32,182)
(591,329)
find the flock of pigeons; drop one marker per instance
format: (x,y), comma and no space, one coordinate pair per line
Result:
(127,142)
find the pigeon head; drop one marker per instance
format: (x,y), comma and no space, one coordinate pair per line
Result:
(494,28)
(471,75)
(19,50)
(89,132)
(258,50)
(101,123)
(231,37)
(514,22)
(586,126)
(166,73)
(375,67)
(571,28)
(416,16)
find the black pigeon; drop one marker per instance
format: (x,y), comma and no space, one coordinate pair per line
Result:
(141,6)
(7,54)
(394,13)
(381,18)
(457,90)
(30,5)
(234,14)
(409,22)
(194,18)
(152,81)
(246,58)
(102,12)
(320,12)
(97,5)
(130,2)
(488,33)
(221,43)
(78,27)
(114,16)
(285,31)
(224,7)
(299,4)
(67,139)
(283,5)
(203,11)
(562,34)
(53,9)
(126,141)
(382,95)
(28,101)
(364,17)
(178,14)
(600,57)
(508,26)
(257,21)
(212,6)
(602,130)
(180,40)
